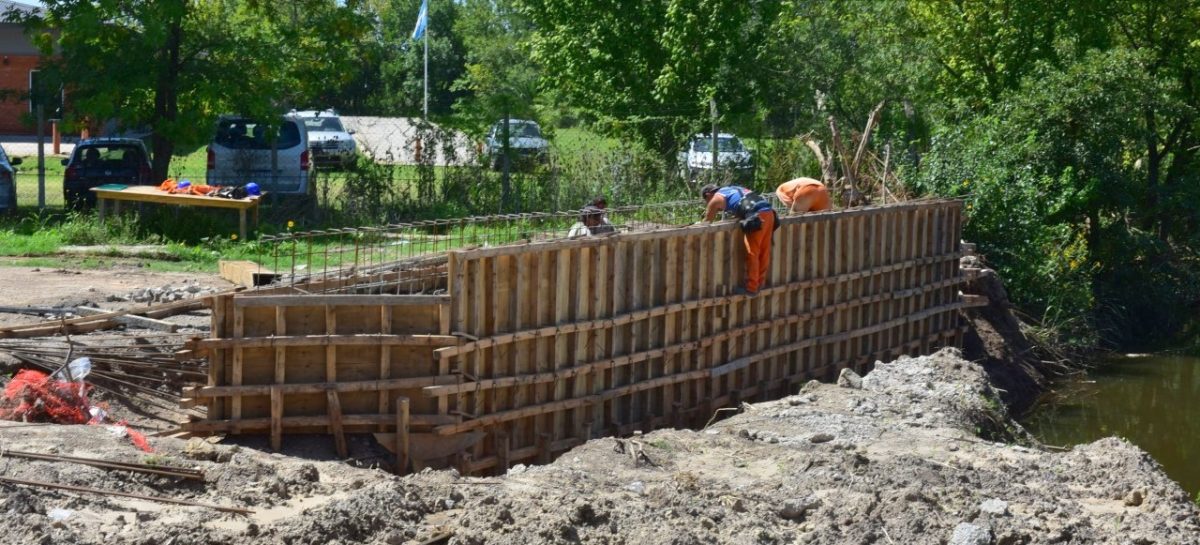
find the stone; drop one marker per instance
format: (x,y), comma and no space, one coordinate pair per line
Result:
(849,379)
(1135,498)
(994,506)
(821,438)
(796,508)
(969,534)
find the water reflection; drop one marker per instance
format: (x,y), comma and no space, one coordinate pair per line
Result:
(1152,401)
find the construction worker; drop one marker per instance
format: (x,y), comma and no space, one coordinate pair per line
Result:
(758,222)
(803,195)
(591,222)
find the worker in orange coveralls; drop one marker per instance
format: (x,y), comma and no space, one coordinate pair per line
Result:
(803,195)
(758,222)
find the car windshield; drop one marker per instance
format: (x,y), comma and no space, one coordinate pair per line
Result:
(518,130)
(107,156)
(323,124)
(724,145)
(250,134)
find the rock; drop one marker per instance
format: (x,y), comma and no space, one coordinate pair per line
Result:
(198,449)
(1135,498)
(821,438)
(994,506)
(583,513)
(796,508)
(969,534)
(849,379)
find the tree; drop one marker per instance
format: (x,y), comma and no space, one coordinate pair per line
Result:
(174,65)
(653,66)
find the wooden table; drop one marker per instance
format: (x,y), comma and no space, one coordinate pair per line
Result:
(152,194)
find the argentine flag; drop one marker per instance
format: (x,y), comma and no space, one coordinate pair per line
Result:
(422,20)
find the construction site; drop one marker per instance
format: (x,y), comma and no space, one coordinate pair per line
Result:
(493,380)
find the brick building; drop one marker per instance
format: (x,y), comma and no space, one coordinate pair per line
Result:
(18,56)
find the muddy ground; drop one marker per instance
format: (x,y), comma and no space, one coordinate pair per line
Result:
(906,455)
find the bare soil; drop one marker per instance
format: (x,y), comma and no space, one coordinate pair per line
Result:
(909,454)
(51,288)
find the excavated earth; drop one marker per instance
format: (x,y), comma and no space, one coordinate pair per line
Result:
(918,451)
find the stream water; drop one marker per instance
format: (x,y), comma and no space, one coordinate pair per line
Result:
(1153,401)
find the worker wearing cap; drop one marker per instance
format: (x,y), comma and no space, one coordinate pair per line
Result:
(591,222)
(758,223)
(803,195)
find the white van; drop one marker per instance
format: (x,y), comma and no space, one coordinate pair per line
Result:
(241,152)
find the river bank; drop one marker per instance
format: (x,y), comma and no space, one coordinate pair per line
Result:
(1150,399)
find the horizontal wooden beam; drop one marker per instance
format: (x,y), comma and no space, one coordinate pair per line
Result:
(337,300)
(318,387)
(330,340)
(263,424)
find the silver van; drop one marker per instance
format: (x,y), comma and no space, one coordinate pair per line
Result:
(244,150)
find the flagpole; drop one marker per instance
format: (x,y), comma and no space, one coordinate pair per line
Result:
(426,33)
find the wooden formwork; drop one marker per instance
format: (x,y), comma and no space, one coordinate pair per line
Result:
(539,347)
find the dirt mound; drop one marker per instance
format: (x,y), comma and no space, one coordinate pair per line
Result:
(996,341)
(901,459)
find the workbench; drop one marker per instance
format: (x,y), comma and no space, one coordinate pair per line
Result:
(152,194)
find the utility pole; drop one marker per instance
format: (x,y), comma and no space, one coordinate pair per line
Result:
(41,141)
(505,180)
(712,107)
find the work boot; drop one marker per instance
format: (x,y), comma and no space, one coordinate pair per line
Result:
(741,290)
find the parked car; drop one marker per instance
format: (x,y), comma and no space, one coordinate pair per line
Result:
(8,183)
(525,143)
(241,152)
(732,156)
(99,161)
(328,139)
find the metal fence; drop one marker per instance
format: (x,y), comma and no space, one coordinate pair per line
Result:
(410,257)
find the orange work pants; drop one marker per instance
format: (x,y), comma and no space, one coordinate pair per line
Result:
(758,252)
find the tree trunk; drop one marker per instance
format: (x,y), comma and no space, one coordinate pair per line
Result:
(166,99)
(1153,165)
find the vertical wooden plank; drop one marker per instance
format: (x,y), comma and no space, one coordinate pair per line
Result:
(401,447)
(829,262)
(480,316)
(637,291)
(654,333)
(544,348)
(331,350)
(218,358)
(620,297)
(335,423)
(670,329)
(455,277)
(584,270)
(601,308)
(562,307)
(687,319)
(502,288)
(718,260)
(280,352)
(385,360)
(705,318)
(525,306)
(276,417)
(239,329)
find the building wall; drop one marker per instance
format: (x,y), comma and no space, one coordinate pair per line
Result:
(14,79)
